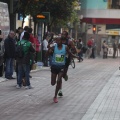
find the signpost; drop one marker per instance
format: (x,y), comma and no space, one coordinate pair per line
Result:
(42,18)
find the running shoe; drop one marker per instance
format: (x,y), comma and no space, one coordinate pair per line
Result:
(55,100)
(60,93)
(66,77)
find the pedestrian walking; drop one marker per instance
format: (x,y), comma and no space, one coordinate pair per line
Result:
(9,55)
(58,52)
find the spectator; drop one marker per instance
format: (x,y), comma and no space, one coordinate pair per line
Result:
(105,49)
(37,47)
(25,30)
(20,30)
(9,45)
(35,43)
(114,48)
(90,44)
(93,49)
(79,49)
(24,63)
(1,54)
(45,49)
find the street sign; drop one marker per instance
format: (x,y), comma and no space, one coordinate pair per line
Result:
(43,17)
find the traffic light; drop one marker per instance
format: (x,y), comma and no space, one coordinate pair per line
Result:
(98,29)
(89,26)
(94,29)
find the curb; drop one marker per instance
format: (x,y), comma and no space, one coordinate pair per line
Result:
(3,79)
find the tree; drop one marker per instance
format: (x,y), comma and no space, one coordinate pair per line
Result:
(61,11)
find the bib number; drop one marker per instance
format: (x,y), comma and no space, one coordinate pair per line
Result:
(59,58)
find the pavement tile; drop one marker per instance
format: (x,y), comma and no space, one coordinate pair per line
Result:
(91,93)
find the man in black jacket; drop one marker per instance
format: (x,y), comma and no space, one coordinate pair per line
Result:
(9,55)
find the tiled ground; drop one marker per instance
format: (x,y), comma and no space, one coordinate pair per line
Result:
(91,93)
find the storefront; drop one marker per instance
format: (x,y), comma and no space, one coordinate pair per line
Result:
(113,35)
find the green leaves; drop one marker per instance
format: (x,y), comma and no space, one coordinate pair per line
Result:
(60,10)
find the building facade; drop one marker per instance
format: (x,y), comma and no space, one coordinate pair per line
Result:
(105,15)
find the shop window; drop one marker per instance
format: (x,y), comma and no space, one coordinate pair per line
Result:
(115,4)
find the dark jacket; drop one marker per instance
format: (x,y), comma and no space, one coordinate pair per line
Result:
(9,45)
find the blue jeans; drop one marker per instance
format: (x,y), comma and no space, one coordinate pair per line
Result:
(23,70)
(9,67)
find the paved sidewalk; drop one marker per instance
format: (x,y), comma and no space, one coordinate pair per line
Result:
(2,79)
(91,93)
(107,104)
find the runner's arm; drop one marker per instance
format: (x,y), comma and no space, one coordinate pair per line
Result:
(73,48)
(70,53)
(50,51)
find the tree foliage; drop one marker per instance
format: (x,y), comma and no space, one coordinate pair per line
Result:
(61,11)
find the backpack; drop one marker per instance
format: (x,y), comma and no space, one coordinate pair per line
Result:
(79,46)
(89,43)
(84,49)
(20,50)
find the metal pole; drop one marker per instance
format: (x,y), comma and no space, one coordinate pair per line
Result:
(40,38)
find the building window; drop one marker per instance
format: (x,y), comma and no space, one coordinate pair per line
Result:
(114,4)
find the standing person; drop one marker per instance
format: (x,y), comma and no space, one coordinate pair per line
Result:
(70,44)
(20,30)
(119,47)
(9,55)
(24,62)
(89,45)
(105,49)
(1,54)
(58,52)
(93,48)
(37,47)
(79,47)
(114,48)
(24,30)
(31,39)
(45,49)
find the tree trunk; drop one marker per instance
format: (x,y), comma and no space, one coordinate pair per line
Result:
(23,21)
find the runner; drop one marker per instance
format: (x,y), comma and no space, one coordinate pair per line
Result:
(58,52)
(66,40)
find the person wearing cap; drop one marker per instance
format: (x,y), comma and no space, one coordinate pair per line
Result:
(24,62)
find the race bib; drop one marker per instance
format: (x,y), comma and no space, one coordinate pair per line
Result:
(59,58)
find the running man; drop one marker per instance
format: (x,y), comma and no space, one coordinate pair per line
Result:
(58,53)
(66,40)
